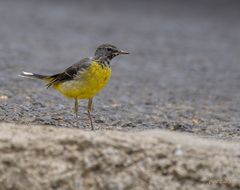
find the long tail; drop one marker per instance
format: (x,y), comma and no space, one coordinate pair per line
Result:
(34,76)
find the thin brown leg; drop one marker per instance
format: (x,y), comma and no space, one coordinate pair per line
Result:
(89,112)
(76,111)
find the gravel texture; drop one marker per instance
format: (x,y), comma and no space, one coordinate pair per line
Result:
(182,74)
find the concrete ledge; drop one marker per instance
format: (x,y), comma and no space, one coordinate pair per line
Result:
(44,157)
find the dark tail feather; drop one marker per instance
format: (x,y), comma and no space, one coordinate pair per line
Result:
(33,76)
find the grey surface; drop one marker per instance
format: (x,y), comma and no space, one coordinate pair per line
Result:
(183,72)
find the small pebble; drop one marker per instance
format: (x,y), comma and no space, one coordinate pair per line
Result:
(178,151)
(3,97)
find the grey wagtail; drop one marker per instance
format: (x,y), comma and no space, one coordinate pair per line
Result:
(85,79)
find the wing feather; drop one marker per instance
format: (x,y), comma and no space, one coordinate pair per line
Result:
(70,73)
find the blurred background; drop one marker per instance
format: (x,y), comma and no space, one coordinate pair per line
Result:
(182,74)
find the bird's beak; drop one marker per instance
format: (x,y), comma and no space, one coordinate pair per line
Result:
(122,52)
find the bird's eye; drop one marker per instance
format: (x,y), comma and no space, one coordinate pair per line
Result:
(109,49)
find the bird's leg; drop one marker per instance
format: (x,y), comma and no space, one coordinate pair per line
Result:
(89,112)
(76,110)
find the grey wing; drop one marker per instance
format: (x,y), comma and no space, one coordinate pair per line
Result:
(70,73)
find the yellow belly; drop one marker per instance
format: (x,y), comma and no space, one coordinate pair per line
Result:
(87,84)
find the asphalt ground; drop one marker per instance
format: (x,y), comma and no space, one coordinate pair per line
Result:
(182,74)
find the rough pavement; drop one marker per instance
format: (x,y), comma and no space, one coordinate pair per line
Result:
(182,74)
(48,158)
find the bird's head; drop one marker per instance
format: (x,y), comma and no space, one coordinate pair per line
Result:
(108,51)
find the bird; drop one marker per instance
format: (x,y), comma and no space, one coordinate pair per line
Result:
(84,79)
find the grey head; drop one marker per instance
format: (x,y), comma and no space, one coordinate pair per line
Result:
(106,52)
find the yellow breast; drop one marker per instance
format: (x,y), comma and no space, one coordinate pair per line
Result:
(86,85)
